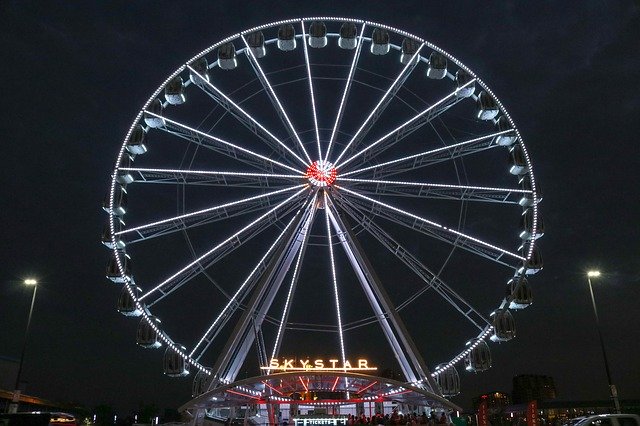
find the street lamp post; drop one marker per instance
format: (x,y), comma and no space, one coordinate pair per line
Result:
(612,387)
(13,407)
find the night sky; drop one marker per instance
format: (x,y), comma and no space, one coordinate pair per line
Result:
(75,76)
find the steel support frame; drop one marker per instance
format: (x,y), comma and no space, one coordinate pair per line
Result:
(404,130)
(229,181)
(405,349)
(210,142)
(242,116)
(206,218)
(429,230)
(257,69)
(438,155)
(431,279)
(427,191)
(236,243)
(379,108)
(237,347)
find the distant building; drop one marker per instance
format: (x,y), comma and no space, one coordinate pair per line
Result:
(527,387)
(496,401)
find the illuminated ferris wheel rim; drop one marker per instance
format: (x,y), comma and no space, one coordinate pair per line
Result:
(316,173)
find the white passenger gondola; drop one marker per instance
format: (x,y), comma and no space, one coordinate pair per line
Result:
(519,292)
(517,161)
(174,91)
(124,177)
(380,41)
(464,88)
(526,226)
(127,305)
(227,56)
(255,40)
(201,67)
(501,125)
(119,201)
(527,199)
(534,264)
(487,106)
(317,34)
(113,271)
(148,334)
(448,380)
(348,33)
(174,364)
(201,382)
(437,69)
(409,48)
(286,37)
(154,119)
(479,357)
(136,143)
(106,235)
(504,326)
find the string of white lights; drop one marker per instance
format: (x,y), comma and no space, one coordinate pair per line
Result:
(434,185)
(257,66)
(426,153)
(208,172)
(430,222)
(347,87)
(208,210)
(393,85)
(334,277)
(253,272)
(246,114)
(223,142)
(426,111)
(218,246)
(309,78)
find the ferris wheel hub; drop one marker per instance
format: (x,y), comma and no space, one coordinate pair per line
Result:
(321,173)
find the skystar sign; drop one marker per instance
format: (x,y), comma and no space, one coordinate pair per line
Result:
(321,173)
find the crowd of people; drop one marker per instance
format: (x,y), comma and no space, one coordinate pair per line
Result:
(398,418)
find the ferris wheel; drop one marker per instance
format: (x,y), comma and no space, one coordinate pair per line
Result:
(318,177)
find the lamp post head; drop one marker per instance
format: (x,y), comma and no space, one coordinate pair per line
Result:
(593,274)
(30,281)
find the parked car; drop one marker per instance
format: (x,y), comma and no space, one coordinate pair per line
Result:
(610,420)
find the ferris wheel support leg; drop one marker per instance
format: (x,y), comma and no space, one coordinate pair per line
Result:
(237,347)
(390,320)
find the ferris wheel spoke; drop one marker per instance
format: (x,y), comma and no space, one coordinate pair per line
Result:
(431,279)
(382,104)
(406,128)
(177,279)
(436,190)
(334,278)
(208,215)
(210,178)
(241,293)
(430,228)
(221,146)
(313,101)
(274,98)
(433,156)
(244,117)
(345,94)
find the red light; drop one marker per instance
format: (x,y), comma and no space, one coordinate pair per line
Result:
(321,173)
